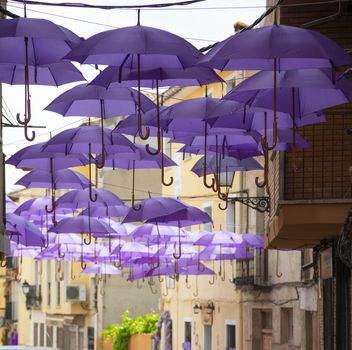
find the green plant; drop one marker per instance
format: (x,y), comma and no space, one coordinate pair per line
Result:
(121,333)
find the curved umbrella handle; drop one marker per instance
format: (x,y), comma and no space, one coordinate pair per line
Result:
(223,277)
(102,117)
(150,284)
(3,261)
(212,185)
(196,293)
(159,137)
(178,256)
(61,256)
(25,126)
(83,265)
(91,197)
(73,277)
(167,291)
(225,199)
(89,240)
(265,183)
(163,174)
(188,286)
(140,123)
(133,204)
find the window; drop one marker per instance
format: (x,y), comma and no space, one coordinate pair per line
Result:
(35,334)
(170,282)
(41,334)
(208,226)
(49,336)
(187,342)
(58,284)
(286,324)
(230,336)
(48,285)
(207,337)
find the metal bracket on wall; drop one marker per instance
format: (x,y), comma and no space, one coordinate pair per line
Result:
(261,204)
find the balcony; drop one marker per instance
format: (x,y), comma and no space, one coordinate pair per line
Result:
(311,189)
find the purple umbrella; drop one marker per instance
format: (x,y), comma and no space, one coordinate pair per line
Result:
(282,46)
(54,74)
(101,269)
(225,253)
(87,140)
(61,179)
(152,208)
(80,199)
(11,206)
(97,101)
(33,42)
(82,225)
(140,159)
(111,211)
(182,218)
(140,48)
(35,157)
(193,76)
(23,232)
(36,208)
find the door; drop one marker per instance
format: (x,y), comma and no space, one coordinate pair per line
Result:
(207,337)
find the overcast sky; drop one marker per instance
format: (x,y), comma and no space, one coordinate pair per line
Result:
(201,24)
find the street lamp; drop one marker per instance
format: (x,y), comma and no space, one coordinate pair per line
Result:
(225,180)
(26,288)
(196,308)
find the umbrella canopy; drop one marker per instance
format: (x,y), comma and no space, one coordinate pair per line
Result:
(36,207)
(35,157)
(61,179)
(87,139)
(47,41)
(81,199)
(153,78)
(97,101)
(291,48)
(298,93)
(120,47)
(225,164)
(111,211)
(10,205)
(152,208)
(102,269)
(24,232)
(54,74)
(81,224)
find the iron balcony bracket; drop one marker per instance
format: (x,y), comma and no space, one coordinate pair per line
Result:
(261,204)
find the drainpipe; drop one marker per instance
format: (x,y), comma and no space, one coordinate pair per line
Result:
(327,19)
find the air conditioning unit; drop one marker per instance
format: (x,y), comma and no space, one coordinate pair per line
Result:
(76,294)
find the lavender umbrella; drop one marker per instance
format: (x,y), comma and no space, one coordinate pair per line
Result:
(10,205)
(54,74)
(111,211)
(101,269)
(35,157)
(224,164)
(87,139)
(33,42)
(225,253)
(81,199)
(96,101)
(152,208)
(140,48)
(82,225)
(140,159)
(23,232)
(62,179)
(192,76)
(284,46)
